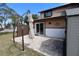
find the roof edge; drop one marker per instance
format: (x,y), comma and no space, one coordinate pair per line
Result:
(57,7)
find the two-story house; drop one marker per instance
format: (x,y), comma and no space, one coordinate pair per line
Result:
(51,22)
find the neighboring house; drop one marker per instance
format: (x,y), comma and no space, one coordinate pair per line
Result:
(51,22)
(1,27)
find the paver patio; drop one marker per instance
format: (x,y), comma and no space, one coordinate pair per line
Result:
(45,45)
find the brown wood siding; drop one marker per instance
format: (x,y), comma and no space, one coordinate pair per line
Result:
(56,22)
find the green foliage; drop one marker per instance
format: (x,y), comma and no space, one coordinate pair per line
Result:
(35,16)
(12,14)
(9,13)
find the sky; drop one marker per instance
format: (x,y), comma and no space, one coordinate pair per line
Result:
(21,8)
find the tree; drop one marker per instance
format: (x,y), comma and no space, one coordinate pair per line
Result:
(1,21)
(4,11)
(25,17)
(10,13)
(15,18)
(35,16)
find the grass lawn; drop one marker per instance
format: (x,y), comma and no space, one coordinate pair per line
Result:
(7,48)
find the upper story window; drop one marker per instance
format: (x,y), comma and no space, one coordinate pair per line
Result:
(48,14)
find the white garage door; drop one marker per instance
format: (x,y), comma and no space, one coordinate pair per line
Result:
(58,33)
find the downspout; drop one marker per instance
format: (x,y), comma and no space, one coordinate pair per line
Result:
(65,40)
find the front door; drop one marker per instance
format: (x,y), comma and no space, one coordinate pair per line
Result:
(40,28)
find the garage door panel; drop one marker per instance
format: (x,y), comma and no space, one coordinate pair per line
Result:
(58,33)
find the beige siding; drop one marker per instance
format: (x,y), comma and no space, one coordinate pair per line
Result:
(41,16)
(72,11)
(59,10)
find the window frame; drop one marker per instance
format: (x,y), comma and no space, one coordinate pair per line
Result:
(47,12)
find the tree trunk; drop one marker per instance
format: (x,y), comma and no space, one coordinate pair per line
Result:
(5,24)
(5,20)
(14,33)
(22,39)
